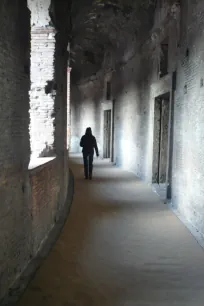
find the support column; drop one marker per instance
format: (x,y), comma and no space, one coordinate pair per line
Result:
(43,88)
(68,108)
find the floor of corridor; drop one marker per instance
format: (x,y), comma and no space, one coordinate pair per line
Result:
(120,247)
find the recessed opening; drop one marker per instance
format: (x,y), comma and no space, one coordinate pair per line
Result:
(161,139)
(107,134)
(108,91)
(49,87)
(164,58)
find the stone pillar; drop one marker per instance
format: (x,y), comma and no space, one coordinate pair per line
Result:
(68,108)
(43,89)
(15,219)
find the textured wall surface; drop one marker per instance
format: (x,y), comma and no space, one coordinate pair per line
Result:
(42,93)
(135,88)
(15,219)
(31,200)
(43,87)
(86,111)
(40,14)
(188,157)
(60,113)
(132,125)
(45,189)
(68,108)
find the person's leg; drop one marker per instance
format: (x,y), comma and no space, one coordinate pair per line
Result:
(85,157)
(90,166)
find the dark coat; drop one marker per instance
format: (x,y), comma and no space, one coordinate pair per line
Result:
(88,143)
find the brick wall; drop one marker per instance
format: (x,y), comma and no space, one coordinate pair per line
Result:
(31,200)
(42,93)
(68,108)
(45,189)
(60,112)
(135,87)
(75,98)
(15,219)
(188,161)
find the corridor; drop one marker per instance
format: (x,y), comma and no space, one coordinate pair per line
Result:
(120,247)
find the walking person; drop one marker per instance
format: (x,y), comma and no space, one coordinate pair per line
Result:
(88,143)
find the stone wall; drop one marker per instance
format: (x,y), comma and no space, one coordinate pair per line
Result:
(86,101)
(32,191)
(42,93)
(60,113)
(68,108)
(43,86)
(45,189)
(75,100)
(135,87)
(188,157)
(132,117)
(15,218)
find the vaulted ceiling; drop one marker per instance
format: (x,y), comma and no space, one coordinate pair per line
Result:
(102,32)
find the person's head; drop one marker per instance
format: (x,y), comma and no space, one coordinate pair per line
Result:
(88,131)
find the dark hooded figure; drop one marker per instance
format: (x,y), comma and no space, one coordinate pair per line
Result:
(88,143)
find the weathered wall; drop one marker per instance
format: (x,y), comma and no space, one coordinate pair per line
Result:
(135,87)
(60,113)
(45,189)
(132,111)
(42,93)
(75,98)
(32,196)
(40,14)
(15,218)
(43,87)
(86,111)
(188,157)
